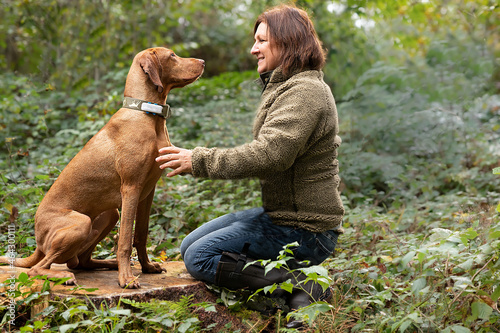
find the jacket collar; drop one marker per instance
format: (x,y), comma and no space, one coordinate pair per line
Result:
(276,75)
(264,79)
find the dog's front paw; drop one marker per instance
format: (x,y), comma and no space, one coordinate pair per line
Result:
(131,282)
(152,268)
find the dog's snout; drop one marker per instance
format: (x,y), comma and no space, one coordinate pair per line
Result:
(202,62)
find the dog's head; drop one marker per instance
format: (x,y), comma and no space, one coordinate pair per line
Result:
(166,70)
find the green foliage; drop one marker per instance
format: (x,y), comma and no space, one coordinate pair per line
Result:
(397,126)
(44,39)
(317,274)
(497,172)
(416,84)
(76,315)
(72,50)
(441,278)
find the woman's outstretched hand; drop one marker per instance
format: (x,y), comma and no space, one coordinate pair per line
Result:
(175,158)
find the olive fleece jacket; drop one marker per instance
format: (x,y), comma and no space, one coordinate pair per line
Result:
(293,153)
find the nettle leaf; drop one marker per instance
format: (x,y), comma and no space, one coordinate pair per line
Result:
(287,286)
(319,270)
(405,325)
(459,329)
(406,322)
(270,289)
(467,235)
(122,312)
(440,234)
(407,258)
(457,239)
(418,285)
(71,311)
(324,284)
(430,263)
(205,306)
(66,327)
(481,310)
(462,281)
(31,297)
(187,324)
(486,249)
(273,264)
(310,312)
(496,293)
(467,265)
(23,277)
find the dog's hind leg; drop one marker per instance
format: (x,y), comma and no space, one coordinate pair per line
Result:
(61,243)
(25,262)
(43,268)
(141,235)
(101,227)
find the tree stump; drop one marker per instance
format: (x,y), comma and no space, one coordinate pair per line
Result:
(170,285)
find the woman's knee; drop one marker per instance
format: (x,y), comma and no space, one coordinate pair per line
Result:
(190,265)
(184,246)
(200,267)
(217,224)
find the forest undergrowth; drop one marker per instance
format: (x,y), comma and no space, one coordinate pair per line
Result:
(419,120)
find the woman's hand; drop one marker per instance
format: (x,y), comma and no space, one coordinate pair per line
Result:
(178,159)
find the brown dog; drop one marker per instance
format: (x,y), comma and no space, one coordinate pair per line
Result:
(116,169)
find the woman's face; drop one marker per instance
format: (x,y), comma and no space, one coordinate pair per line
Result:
(268,56)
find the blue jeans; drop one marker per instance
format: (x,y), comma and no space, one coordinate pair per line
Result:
(202,248)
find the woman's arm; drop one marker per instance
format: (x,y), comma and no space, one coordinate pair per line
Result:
(295,116)
(298,114)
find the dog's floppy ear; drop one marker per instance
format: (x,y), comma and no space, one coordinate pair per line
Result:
(152,67)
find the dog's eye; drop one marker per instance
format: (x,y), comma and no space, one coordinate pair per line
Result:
(173,55)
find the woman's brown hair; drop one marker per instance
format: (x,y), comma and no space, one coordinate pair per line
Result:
(292,31)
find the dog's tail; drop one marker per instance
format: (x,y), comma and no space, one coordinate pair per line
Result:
(30,261)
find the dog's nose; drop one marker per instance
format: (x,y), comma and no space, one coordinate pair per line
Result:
(202,62)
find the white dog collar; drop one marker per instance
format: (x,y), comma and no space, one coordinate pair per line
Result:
(140,105)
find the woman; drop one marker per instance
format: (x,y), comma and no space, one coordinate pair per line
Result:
(293,153)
